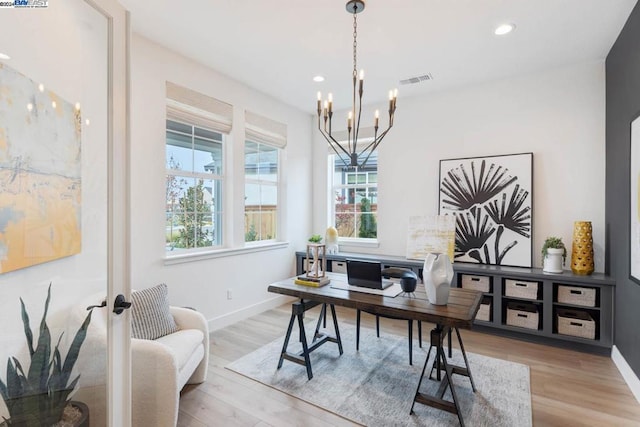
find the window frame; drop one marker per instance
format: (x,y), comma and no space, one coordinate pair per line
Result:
(217,207)
(334,189)
(260,182)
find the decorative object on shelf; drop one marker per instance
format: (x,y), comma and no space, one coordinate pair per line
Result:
(491,198)
(41,396)
(437,274)
(41,173)
(634,202)
(316,260)
(582,249)
(431,233)
(554,255)
(331,240)
(350,155)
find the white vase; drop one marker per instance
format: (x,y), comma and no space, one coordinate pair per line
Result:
(552,262)
(437,275)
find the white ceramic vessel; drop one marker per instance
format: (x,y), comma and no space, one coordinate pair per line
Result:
(437,275)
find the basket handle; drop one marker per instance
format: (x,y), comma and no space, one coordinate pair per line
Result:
(575,292)
(575,324)
(522,315)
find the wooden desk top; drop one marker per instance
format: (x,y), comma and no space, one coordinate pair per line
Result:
(459,312)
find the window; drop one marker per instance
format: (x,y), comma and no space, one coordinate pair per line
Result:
(265,140)
(196,129)
(194,162)
(355,198)
(261,191)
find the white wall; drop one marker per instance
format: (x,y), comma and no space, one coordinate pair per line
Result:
(558,115)
(203,284)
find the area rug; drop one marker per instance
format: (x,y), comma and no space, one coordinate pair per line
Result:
(376,385)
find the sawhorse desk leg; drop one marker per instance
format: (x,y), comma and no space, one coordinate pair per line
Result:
(440,363)
(297,312)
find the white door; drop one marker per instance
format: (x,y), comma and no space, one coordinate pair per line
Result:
(63,209)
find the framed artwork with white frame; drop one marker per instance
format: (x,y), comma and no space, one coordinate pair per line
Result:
(491,198)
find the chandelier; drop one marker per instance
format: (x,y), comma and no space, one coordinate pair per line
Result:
(349,154)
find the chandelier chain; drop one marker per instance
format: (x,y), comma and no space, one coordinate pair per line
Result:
(355,44)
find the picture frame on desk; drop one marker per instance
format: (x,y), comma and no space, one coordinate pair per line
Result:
(492,200)
(634,202)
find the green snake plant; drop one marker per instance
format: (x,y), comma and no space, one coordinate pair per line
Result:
(38,397)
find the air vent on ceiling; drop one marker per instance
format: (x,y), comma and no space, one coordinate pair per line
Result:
(417,79)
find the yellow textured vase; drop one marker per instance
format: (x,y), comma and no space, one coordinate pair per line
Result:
(582,249)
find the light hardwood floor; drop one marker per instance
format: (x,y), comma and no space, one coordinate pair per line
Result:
(568,388)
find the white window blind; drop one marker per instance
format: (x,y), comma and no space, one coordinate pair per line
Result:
(188,106)
(264,130)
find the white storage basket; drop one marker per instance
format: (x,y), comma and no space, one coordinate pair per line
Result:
(522,315)
(478,283)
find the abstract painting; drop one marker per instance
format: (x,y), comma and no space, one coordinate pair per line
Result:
(634,250)
(430,234)
(40,173)
(491,198)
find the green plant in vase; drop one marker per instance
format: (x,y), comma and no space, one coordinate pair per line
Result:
(554,254)
(39,396)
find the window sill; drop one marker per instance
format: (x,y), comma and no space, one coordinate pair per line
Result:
(220,253)
(361,243)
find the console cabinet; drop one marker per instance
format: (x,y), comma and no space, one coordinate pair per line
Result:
(566,308)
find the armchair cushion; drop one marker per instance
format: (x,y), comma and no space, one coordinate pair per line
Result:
(150,314)
(183,344)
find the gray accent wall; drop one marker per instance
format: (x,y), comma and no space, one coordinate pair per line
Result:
(623,105)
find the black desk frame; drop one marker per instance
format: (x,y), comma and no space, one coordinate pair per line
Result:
(297,312)
(440,364)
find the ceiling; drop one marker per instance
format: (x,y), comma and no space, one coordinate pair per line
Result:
(278,46)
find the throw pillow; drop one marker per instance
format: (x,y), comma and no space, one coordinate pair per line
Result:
(150,313)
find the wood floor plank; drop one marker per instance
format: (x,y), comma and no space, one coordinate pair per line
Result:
(568,388)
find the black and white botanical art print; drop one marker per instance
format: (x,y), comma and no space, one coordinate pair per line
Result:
(491,198)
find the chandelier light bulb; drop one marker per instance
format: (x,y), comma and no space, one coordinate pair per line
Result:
(41,87)
(361,74)
(319,96)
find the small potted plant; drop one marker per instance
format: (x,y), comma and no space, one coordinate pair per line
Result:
(554,255)
(39,395)
(316,238)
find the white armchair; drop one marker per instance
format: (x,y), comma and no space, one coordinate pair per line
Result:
(160,367)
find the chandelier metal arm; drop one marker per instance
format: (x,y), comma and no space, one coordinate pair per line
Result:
(332,142)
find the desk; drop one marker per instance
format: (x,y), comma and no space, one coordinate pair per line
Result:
(458,313)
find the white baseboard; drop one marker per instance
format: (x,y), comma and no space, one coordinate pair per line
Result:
(629,376)
(246,312)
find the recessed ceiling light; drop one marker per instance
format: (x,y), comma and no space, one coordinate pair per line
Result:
(4,56)
(504,29)
(318,79)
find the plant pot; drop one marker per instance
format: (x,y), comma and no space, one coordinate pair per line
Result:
(553,261)
(76,415)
